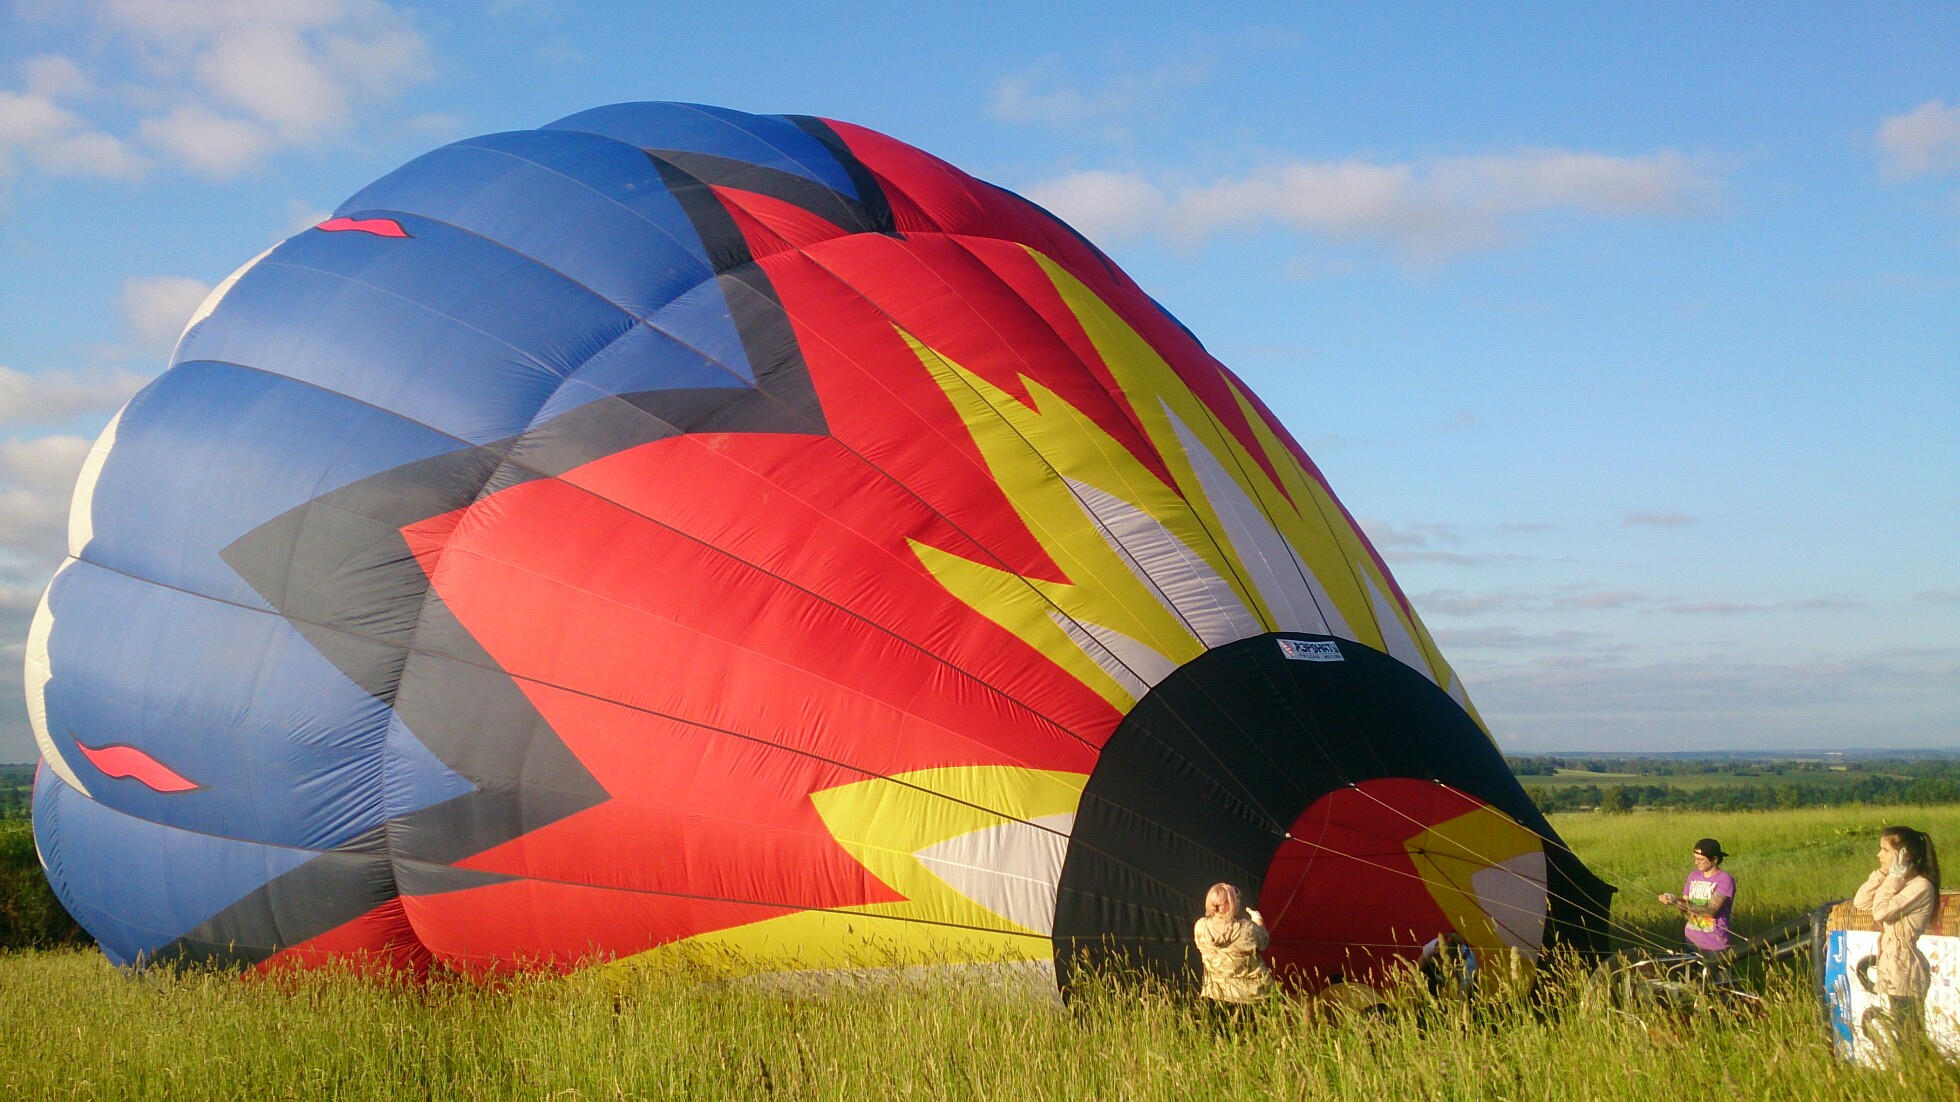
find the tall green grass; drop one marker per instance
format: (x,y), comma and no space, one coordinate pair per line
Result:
(79,1029)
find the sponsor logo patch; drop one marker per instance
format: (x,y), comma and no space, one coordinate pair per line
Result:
(1310,650)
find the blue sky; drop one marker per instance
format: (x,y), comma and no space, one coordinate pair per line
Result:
(1632,335)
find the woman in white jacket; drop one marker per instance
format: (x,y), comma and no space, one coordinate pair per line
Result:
(1903,896)
(1230,938)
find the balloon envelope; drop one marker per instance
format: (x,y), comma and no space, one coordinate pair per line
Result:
(677,529)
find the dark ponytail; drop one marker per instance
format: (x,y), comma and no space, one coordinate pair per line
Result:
(1918,848)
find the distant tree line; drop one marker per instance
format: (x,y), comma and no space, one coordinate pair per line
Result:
(16,791)
(1764,785)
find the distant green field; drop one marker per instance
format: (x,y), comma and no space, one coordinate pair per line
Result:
(1566,778)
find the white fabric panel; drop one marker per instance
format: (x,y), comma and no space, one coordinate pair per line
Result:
(1181,578)
(39,671)
(1135,666)
(81,507)
(1513,894)
(1457,691)
(1401,645)
(1012,869)
(1298,600)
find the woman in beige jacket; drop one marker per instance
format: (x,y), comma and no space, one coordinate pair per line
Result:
(1903,896)
(1229,939)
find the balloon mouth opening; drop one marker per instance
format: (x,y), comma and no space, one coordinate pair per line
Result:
(1351,801)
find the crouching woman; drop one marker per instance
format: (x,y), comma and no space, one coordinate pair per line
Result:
(1230,939)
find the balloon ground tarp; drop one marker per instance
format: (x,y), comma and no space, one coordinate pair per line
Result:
(674,529)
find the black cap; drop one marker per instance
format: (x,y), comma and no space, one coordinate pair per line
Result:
(1710,848)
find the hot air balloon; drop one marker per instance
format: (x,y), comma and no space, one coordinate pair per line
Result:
(675,529)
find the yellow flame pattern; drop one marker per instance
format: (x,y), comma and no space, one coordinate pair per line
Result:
(1156,575)
(1160,573)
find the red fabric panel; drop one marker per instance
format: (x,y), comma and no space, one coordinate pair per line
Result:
(527,925)
(959,204)
(379,941)
(1347,898)
(763,219)
(736,623)
(944,294)
(762,241)
(884,405)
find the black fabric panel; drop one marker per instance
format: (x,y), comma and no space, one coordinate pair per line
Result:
(331,889)
(874,210)
(798,191)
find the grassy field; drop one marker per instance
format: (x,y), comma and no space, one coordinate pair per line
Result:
(1784,862)
(81,1030)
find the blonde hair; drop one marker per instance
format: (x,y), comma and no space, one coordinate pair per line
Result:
(1224,904)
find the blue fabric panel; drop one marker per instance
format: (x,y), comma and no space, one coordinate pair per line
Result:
(412,777)
(288,751)
(210,451)
(444,327)
(701,320)
(644,359)
(138,885)
(768,140)
(586,206)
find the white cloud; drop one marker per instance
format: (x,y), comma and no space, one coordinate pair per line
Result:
(54,76)
(1103,205)
(1452,558)
(301,215)
(36,129)
(52,396)
(1507,638)
(214,145)
(37,477)
(1603,598)
(1923,140)
(1454,602)
(17,603)
(155,308)
(1424,542)
(270,74)
(216,85)
(43,462)
(1045,93)
(1658,520)
(1419,534)
(1713,608)
(1829,603)
(1723,704)
(1427,211)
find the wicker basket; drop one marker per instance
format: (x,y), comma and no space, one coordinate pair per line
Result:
(1844,916)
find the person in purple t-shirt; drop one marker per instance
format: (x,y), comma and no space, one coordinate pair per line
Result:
(1706,900)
